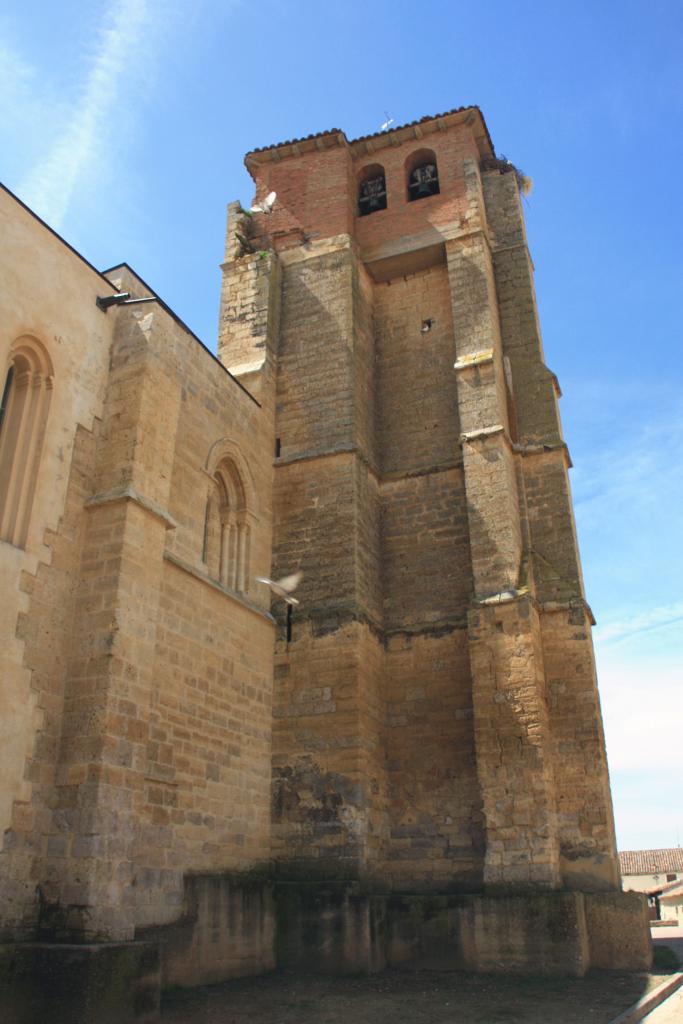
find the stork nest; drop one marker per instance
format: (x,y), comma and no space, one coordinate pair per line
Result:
(505,166)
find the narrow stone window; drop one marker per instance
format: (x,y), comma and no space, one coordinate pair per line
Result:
(227,531)
(26,393)
(6,392)
(372,190)
(422,175)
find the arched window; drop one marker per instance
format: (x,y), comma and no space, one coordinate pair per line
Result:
(422,174)
(26,392)
(372,190)
(227,529)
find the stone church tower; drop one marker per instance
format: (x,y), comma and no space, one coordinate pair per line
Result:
(437,726)
(409,768)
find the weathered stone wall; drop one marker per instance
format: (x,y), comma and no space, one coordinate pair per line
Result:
(337,928)
(435,808)
(53,306)
(226,930)
(584,804)
(448,525)
(151,753)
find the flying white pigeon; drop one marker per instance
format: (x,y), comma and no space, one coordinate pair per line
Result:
(387,124)
(283,588)
(267,205)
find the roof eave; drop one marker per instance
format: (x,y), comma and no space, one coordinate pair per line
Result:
(367,144)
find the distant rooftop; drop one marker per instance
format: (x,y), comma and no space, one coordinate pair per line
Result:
(651,862)
(670,889)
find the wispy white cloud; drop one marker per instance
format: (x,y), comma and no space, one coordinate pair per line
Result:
(29,109)
(629,506)
(629,512)
(641,622)
(642,700)
(637,468)
(16,76)
(79,147)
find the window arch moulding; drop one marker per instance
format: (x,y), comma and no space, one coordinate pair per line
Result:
(230,517)
(26,392)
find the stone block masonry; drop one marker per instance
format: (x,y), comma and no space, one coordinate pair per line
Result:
(436,723)
(407,769)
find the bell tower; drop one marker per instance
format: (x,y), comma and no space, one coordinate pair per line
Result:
(437,738)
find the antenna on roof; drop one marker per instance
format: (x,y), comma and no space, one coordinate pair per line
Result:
(388,121)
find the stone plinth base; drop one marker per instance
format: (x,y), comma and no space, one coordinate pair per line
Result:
(337,928)
(227,930)
(112,983)
(616,922)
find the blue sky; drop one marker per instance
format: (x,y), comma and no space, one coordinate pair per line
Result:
(124,126)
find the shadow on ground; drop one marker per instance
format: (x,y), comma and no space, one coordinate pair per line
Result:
(421,997)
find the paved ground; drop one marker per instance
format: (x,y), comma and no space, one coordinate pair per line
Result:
(670,1012)
(672,937)
(427,997)
(424,997)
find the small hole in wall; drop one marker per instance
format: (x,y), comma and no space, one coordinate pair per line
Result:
(289,623)
(427,325)
(278,447)
(499,627)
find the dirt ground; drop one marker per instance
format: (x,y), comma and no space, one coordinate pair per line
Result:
(423,997)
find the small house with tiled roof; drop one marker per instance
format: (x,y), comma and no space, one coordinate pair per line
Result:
(658,874)
(670,901)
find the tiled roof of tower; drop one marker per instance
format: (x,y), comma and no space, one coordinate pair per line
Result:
(296,142)
(375,135)
(651,862)
(422,120)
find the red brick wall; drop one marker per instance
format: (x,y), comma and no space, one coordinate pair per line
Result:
(317,192)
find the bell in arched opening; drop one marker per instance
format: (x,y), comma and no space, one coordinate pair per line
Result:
(423,181)
(372,192)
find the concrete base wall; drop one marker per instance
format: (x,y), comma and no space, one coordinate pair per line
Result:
(616,923)
(235,927)
(337,928)
(113,983)
(227,931)
(330,928)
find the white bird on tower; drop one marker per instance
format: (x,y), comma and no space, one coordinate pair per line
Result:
(283,588)
(267,205)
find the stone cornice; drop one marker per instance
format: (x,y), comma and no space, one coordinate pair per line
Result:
(120,494)
(204,578)
(381,478)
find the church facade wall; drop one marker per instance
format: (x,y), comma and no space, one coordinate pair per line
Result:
(140,678)
(52,306)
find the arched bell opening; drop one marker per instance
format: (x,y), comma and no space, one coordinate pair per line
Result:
(422,175)
(372,190)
